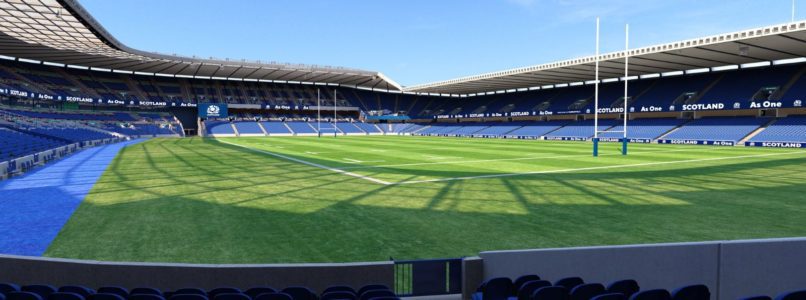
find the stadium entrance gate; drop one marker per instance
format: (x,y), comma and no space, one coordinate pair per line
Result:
(428,277)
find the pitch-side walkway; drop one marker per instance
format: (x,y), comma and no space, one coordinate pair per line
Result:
(35,206)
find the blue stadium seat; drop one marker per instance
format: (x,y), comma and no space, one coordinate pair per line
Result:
(498,288)
(256,291)
(692,292)
(794,295)
(187,297)
(146,291)
(77,289)
(371,287)
(145,297)
(569,282)
(274,296)
(23,296)
(528,288)
(6,288)
(757,298)
(190,291)
(65,296)
(300,293)
(105,296)
(339,288)
(117,290)
(657,294)
(516,285)
(345,295)
(43,290)
(376,294)
(230,296)
(610,296)
(587,291)
(223,290)
(550,293)
(626,287)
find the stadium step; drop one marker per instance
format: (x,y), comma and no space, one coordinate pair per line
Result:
(662,136)
(235,129)
(756,132)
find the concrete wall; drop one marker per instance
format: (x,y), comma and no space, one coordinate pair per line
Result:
(30,270)
(653,266)
(731,269)
(762,267)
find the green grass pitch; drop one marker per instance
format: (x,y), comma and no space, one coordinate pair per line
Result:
(368,198)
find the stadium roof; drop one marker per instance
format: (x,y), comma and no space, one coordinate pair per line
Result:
(785,41)
(62,32)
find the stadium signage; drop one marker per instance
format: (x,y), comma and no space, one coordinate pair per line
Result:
(115,102)
(704,106)
(775,144)
(610,110)
(213,110)
(651,108)
(79,99)
(496,115)
(545,113)
(766,104)
(639,141)
(475,116)
(519,113)
(565,138)
(698,142)
(44,97)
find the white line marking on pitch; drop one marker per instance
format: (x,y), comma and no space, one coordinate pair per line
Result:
(355,161)
(312,164)
(595,168)
(506,159)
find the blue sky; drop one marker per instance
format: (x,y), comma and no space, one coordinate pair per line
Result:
(419,41)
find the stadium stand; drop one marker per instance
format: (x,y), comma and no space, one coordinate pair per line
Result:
(790,129)
(275,128)
(643,128)
(717,129)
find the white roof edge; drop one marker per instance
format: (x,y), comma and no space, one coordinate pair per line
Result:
(707,40)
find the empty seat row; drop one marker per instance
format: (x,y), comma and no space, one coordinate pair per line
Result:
(10,291)
(532,287)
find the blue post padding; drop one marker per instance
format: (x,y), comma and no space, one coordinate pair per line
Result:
(624,143)
(595,147)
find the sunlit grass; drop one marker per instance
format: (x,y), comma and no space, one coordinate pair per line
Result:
(201,200)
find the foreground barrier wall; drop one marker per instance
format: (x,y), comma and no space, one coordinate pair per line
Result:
(762,267)
(31,270)
(653,266)
(731,269)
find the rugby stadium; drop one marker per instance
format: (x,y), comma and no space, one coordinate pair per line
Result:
(671,171)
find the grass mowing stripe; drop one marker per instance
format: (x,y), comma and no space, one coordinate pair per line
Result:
(599,168)
(311,164)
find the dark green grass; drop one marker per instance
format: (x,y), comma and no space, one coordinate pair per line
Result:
(206,201)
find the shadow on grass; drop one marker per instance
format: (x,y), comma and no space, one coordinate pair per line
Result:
(259,209)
